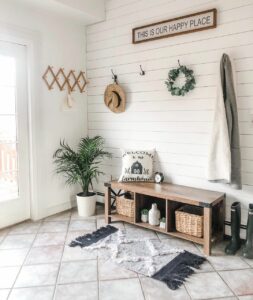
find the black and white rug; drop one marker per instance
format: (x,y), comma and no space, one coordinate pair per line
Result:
(142,254)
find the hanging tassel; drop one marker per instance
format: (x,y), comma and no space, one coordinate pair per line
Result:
(70,101)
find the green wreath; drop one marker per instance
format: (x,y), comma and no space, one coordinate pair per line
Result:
(189,81)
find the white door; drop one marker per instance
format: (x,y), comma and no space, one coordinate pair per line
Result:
(14,131)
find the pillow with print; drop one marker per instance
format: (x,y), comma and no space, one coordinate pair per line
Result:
(137,165)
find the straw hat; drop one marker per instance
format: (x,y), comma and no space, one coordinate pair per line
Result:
(115,98)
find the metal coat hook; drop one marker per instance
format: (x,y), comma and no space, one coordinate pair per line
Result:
(114,77)
(142,73)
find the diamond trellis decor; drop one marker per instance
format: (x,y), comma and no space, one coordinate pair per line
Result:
(70,81)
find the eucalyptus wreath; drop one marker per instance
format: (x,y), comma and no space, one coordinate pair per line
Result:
(189,81)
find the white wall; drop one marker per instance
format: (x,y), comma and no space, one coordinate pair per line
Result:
(59,42)
(83,11)
(179,127)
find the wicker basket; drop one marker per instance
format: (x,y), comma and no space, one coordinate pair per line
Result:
(125,206)
(189,220)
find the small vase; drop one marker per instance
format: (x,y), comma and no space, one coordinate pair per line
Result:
(154,215)
(144,218)
(162,225)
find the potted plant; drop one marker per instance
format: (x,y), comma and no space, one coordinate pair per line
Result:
(144,215)
(82,167)
(163,223)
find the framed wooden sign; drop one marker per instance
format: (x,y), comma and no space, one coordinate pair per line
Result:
(190,23)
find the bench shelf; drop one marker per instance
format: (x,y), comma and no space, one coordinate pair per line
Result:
(169,197)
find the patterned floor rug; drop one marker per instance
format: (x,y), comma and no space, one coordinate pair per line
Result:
(144,255)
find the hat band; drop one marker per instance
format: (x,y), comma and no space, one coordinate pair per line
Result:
(119,99)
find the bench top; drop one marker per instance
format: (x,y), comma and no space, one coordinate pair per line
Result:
(180,193)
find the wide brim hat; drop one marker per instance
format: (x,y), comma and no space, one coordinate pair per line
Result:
(115,98)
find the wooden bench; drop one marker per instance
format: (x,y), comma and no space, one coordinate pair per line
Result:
(170,197)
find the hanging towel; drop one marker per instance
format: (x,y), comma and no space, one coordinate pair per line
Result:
(219,156)
(229,96)
(224,160)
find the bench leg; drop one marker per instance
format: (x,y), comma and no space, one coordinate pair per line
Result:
(222,217)
(108,205)
(207,230)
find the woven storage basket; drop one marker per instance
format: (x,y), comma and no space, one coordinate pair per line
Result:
(189,220)
(125,206)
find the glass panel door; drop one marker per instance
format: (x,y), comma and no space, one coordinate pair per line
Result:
(8,129)
(14,147)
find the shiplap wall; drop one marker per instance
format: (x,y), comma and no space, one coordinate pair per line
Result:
(178,127)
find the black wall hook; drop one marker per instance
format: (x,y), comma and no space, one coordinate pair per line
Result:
(142,73)
(114,77)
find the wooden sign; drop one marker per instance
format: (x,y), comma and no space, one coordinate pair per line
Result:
(190,23)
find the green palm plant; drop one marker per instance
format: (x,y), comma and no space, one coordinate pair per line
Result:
(81,166)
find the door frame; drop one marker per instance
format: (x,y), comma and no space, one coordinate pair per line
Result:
(30,40)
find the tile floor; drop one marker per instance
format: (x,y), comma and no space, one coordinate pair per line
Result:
(36,263)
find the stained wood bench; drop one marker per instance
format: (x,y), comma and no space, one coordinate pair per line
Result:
(170,197)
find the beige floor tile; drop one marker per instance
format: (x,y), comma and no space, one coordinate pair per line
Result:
(249,297)
(17,241)
(248,261)
(75,216)
(77,291)
(37,275)
(54,226)
(78,253)
(64,216)
(33,293)
(205,267)
(207,285)
(79,271)
(46,254)
(13,257)
(240,281)
(108,270)
(225,298)
(25,228)
(217,249)
(48,239)
(86,225)
(156,290)
(123,289)
(4,294)
(8,276)
(227,263)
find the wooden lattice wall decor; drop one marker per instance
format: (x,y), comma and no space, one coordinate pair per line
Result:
(71,81)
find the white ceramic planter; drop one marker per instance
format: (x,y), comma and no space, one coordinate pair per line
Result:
(144,218)
(162,225)
(86,205)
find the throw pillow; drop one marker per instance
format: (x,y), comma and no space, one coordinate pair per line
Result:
(137,165)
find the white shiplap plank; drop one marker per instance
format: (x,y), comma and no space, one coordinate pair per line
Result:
(197,127)
(242,54)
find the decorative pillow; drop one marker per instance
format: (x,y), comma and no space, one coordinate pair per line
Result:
(137,165)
